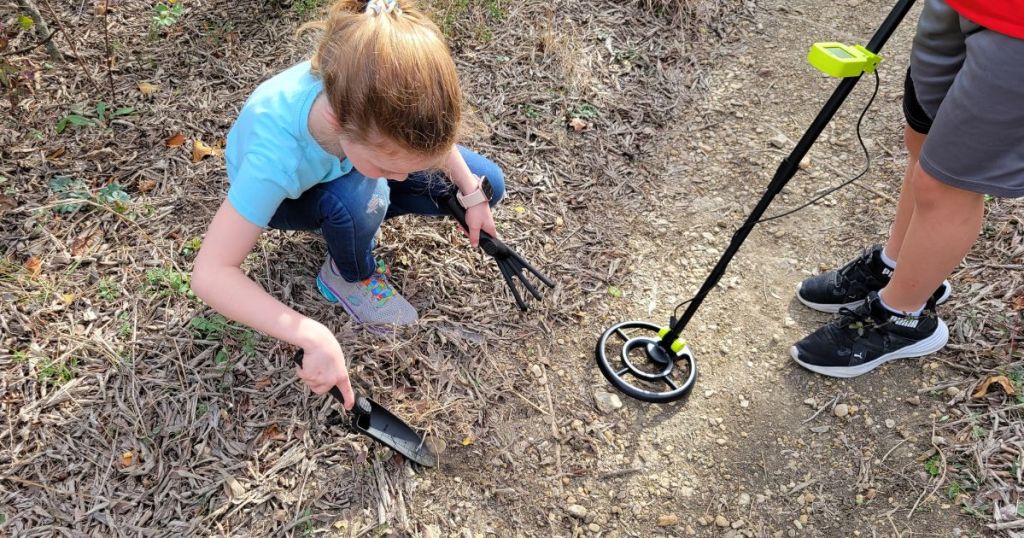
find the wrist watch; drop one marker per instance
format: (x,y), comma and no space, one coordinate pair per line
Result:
(480,195)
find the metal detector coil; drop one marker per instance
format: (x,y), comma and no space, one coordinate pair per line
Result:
(631,357)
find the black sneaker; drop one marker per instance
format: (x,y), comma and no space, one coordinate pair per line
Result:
(848,286)
(861,340)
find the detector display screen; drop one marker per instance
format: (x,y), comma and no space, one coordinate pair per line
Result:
(839,53)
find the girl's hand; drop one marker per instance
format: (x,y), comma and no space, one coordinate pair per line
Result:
(323,367)
(478,218)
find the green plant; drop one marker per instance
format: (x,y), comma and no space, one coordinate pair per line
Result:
(305,7)
(25,22)
(953,491)
(167,14)
(530,111)
(585,111)
(165,282)
(101,116)
(218,328)
(108,289)
(201,409)
(191,247)
(933,465)
(57,373)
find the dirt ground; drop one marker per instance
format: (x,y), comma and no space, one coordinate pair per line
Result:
(131,409)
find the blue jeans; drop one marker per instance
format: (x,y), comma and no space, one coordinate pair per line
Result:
(350,209)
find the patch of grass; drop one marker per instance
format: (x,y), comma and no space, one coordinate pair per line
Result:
(303,8)
(57,373)
(218,328)
(168,282)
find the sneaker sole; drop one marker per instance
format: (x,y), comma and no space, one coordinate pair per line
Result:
(834,308)
(929,345)
(333,298)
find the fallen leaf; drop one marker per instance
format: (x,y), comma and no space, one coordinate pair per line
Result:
(467,441)
(262,383)
(234,488)
(6,202)
(34,266)
(1017,304)
(68,298)
(146,185)
(56,154)
(201,150)
(1000,380)
(175,141)
(127,458)
(148,89)
(578,125)
(274,434)
(81,244)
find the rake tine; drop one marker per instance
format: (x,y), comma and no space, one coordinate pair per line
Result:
(526,283)
(507,273)
(530,268)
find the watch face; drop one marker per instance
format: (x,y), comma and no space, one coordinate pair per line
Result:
(485,187)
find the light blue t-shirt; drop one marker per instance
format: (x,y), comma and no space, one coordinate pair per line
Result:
(270,153)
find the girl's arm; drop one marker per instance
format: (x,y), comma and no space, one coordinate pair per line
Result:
(479,216)
(217,278)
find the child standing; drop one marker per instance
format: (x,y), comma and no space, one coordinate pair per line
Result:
(965,135)
(363,132)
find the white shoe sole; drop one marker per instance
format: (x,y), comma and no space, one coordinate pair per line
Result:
(927,346)
(834,308)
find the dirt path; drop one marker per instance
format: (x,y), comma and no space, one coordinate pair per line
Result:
(760,448)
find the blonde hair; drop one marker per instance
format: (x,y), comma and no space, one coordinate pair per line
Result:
(389,73)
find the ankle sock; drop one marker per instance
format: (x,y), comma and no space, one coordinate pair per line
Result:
(898,312)
(891,263)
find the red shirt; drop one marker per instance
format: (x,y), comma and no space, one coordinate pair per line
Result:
(1003,16)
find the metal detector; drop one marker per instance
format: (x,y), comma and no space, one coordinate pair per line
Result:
(652,363)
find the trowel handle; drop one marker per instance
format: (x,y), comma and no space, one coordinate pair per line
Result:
(335,391)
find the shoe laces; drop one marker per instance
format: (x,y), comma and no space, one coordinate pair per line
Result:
(861,266)
(378,284)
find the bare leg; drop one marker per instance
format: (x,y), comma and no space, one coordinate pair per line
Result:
(945,222)
(905,208)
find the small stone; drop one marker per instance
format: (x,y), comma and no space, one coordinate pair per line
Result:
(690,531)
(744,499)
(805,163)
(803,518)
(686,491)
(744,404)
(559,221)
(577,511)
(709,393)
(737,524)
(720,441)
(820,429)
(594,527)
(536,371)
(721,521)
(810,401)
(779,141)
(890,423)
(841,410)
(668,520)
(952,392)
(868,421)
(789,322)
(914,400)
(607,402)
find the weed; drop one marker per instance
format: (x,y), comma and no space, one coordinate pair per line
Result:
(933,465)
(167,14)
(108,289)
(57,373)
(302,8)
(201,409)
(191,247)
(218,328)
(530,111)
(953,491)
(585,111)
(167,282)
(74,191)
(100,117)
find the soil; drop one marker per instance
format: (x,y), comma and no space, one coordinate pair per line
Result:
(127,417)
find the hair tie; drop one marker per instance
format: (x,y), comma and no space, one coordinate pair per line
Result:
(376,7)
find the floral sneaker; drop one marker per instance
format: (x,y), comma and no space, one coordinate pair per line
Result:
(373,301)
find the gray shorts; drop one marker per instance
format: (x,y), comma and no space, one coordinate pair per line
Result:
(965,90)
